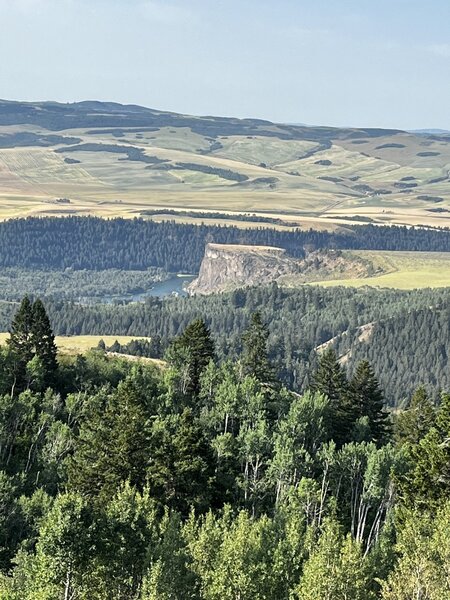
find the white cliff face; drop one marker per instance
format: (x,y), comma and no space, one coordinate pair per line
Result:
(225,267)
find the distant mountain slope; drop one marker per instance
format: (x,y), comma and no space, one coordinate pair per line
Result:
(56,116)
(408,343)
(407,350)
(111,159)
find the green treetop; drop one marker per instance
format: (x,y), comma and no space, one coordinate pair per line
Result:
(330,380)
(255,360)
(190,354)
(367,400)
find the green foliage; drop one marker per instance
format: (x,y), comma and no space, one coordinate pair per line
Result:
(297,438)
(254,358)
(62,558)
(331,381)
(336,569)
(120,483)
(427,482)
(128,535)
(234,557)
(170,556)
(113,443)
(367,400)
(407,345)
(21,338)
(32,343)
(190,354)
(80,242)
(43,340)
(72,284)
(180,469)
(423,567)
(412,424)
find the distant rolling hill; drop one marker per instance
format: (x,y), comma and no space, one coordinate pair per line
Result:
(114,160)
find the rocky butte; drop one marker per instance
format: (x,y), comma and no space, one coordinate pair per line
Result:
(227,266)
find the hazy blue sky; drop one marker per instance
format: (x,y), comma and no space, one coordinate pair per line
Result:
(339,62)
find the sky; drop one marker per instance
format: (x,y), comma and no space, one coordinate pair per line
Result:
(377,63)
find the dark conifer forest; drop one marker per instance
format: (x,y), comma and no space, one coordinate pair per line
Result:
(95,243)
(407,337)
(289,444)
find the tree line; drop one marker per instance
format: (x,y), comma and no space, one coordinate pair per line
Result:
(408,344)
(210,480)
(98,244)
(80,285)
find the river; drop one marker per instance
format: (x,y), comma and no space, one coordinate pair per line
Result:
(170,287)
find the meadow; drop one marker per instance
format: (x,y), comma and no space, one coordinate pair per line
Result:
(400,270)
(82,343)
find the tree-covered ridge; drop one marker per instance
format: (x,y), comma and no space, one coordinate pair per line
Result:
(73,284)
(58,116)
(298,321)
(417,341)
(98,244)
(209,480)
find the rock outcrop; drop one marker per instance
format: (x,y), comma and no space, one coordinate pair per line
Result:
(225,267)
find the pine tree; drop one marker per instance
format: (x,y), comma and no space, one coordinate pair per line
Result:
(21,333)
(255,360)
(190,353)
(31,337)
(367,400)
(427,483)
(44,346)
(330,381)
(113,444)
(415,422)
(181,463)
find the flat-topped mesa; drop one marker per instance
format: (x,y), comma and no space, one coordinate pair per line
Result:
(225,267)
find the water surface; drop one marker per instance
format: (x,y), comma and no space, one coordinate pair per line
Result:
(174,286)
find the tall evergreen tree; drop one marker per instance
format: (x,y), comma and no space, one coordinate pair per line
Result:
(31,337)
(43,340)
(331,381)
(21,332)
(190,353)
(367,400)
(427,483)
(113,444)
(255,360)
(181,466)
(415,422)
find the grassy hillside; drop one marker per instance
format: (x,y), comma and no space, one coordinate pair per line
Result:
(400,270)
(81,343)
(114,160)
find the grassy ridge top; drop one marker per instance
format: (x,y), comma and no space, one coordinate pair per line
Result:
(246,248)
(400,270)
(113,160)
(81,343)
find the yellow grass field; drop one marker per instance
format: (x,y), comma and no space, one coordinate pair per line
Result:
(81,343)
(401,270)
(389,179)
